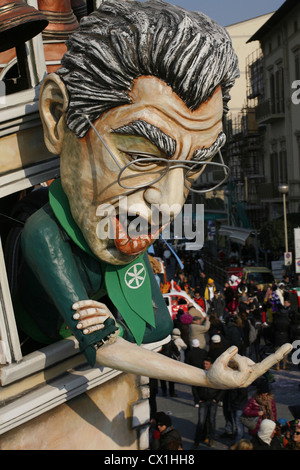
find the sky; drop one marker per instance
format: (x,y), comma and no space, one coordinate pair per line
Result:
(227,12)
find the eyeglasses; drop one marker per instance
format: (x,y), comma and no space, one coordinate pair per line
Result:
(153,169)
(297,433)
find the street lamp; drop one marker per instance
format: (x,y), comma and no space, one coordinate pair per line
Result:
(284,189)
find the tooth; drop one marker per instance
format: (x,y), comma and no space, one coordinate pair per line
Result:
(123,242)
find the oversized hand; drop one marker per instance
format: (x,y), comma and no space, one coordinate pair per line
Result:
(222,376)
(91,315)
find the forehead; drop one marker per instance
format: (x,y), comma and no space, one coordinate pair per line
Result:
(155,101)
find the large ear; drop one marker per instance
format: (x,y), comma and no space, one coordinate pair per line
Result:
(53,105)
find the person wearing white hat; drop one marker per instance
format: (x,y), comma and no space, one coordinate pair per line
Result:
(217,347)
(265,438)
(195,356)
(181,346)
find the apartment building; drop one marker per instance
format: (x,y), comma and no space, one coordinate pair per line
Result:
(277,108)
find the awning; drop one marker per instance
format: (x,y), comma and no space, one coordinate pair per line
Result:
(236,234)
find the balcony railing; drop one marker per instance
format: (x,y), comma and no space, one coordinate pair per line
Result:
(270,110)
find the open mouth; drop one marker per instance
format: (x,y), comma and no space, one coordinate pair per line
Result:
(134,242)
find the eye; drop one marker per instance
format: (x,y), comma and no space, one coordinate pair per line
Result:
(139,156)
(144,159)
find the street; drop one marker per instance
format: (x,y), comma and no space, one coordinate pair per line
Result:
(184,414)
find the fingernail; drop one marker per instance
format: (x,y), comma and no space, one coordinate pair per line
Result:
(79,325)
(76,316)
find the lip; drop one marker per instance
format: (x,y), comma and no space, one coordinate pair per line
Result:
(133,245)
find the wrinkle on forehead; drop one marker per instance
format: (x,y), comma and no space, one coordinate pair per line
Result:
(152,92)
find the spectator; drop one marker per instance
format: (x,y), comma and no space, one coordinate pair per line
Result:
(244,304)
(216,326)
(228,293)
(283,432)
(198,330)
(262,405)
(202,283)
(234,401)
(195,357)
(170,350)
(208,399)
(233,404)
(154,433)
(287,282)
(265,439)
(252,287)
(278,297)
(217,347)
(193,310)
(242,288)
(209,290)
(233,332)
(232,307)
(181,323)
(217,305)
(294,444)
(167,434)
(244,444)
(179,343)
(199,300)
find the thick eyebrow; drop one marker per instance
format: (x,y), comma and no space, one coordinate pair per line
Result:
(155,135)
(204,154)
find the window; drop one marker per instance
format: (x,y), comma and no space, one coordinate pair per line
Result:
(277,91)
(279,167)
(274,167)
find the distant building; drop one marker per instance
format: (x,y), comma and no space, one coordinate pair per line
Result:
(277,114)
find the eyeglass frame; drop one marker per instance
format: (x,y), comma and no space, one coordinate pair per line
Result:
(174,163)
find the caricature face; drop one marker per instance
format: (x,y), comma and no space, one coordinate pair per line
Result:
(89,174)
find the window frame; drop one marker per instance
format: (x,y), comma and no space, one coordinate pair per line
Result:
(19,111)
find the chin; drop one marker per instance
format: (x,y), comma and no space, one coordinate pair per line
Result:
(111,255)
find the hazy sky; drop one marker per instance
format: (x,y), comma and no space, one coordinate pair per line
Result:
(227,12)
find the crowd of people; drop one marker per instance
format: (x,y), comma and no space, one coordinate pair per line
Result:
(255,318)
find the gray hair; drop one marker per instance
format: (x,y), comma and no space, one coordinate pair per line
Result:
(124,40)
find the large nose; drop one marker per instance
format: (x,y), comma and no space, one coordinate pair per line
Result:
(169,191)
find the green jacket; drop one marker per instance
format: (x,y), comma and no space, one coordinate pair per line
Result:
(57,272)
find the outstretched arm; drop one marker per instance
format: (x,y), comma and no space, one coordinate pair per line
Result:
(128,357)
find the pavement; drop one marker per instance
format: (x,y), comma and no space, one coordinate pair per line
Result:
(184,415)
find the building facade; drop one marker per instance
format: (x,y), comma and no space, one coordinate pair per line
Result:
(277,108)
